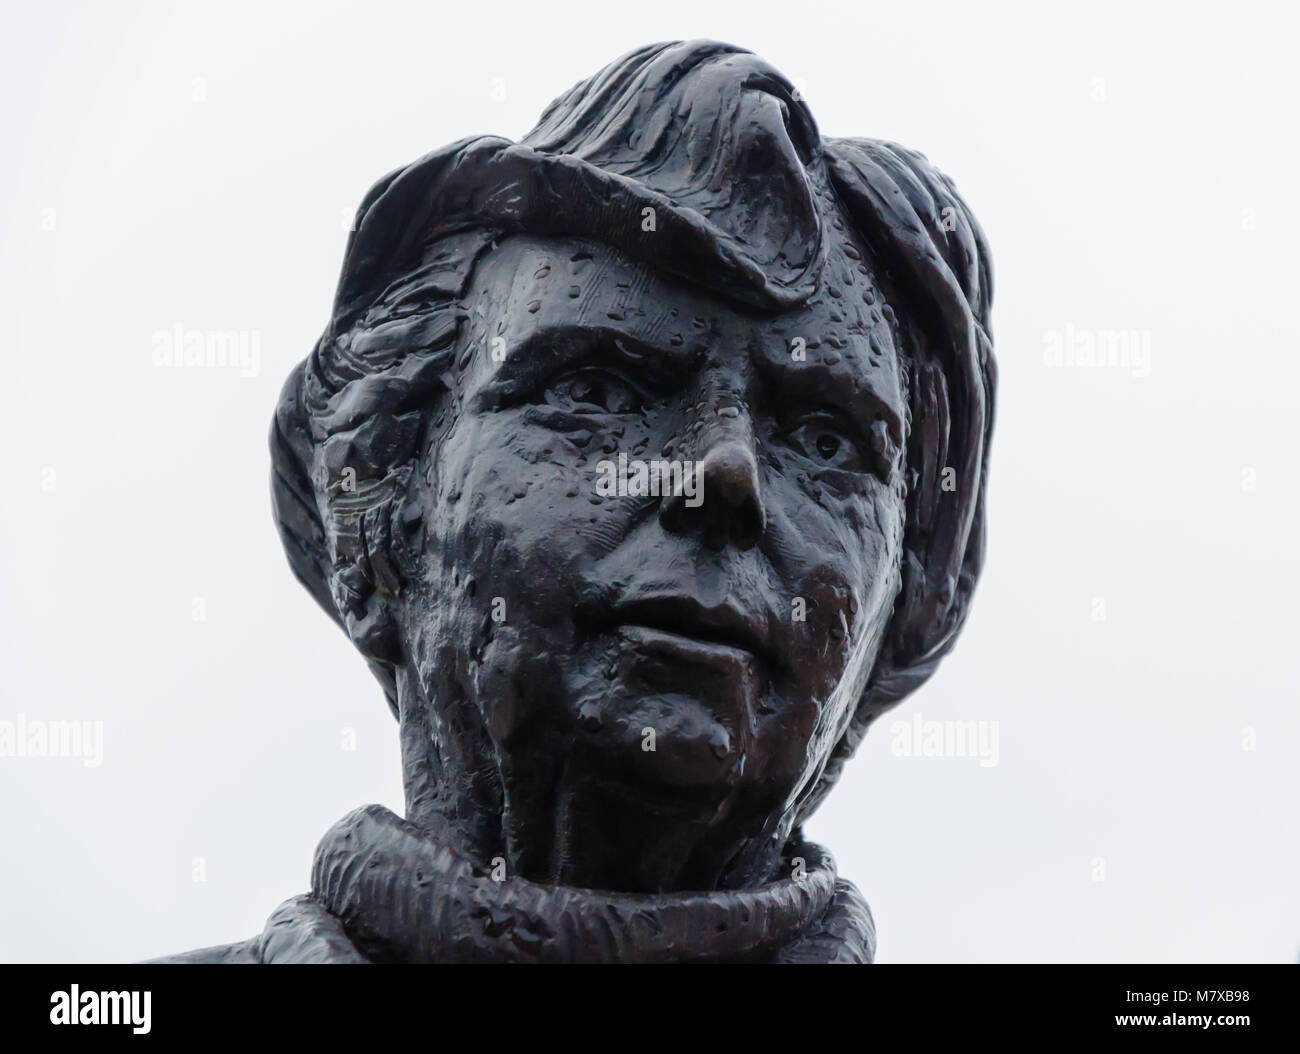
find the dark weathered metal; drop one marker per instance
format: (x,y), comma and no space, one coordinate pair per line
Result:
(644,461)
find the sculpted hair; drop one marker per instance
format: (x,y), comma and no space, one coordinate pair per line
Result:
(702,160)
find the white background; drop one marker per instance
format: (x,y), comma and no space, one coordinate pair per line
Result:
(1135,170)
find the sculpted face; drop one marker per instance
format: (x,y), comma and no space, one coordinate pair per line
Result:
(618,700)
(641,687)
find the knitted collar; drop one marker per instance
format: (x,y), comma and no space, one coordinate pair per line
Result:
(383,891)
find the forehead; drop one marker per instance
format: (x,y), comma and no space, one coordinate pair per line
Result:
(845,335)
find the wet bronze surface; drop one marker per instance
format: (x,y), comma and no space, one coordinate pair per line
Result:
(644,461)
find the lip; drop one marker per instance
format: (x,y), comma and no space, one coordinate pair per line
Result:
(680,648)
(684,618)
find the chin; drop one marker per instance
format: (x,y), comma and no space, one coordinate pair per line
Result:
(659,710)
(625,833)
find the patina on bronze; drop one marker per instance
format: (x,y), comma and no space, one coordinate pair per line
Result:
(617,709)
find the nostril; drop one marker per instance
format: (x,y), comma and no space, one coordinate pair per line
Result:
(740,521)
(747,524)
(732,502)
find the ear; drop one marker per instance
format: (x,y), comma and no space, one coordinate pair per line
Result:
(339,477)
(938,276)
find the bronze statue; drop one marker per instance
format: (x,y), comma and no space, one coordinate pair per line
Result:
(644,461)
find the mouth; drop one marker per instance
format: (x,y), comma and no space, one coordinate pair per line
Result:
(693,675)
(684,622)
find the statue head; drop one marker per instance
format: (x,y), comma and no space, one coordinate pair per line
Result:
(644,461)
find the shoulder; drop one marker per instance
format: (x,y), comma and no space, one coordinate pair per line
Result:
(248,951)
(299,931)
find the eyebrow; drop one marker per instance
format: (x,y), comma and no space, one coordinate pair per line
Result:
(548,349)
(816,381)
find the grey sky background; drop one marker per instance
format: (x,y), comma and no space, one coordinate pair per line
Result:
(1132,639)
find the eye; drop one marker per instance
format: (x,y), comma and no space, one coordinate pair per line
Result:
(592,390)
(826,442)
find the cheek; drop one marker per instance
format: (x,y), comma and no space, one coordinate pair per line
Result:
(840,552)
(515,514)
(871,533)
(841,555)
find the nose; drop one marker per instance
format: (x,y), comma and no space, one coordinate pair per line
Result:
(731,509)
